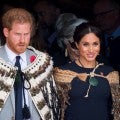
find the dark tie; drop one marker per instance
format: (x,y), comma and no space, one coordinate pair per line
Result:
(20,113)
(18,91)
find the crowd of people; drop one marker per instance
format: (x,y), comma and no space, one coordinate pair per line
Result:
(55,65)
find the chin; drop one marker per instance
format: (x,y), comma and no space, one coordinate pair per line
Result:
(20,51)
(91,59)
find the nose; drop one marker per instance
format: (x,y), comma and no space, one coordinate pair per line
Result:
(22,38)
(91,48)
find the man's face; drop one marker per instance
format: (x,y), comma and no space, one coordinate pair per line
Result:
(18,38)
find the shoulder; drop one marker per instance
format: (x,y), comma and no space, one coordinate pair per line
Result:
(105,69)
(41,60)
(2,48)
(69,66)
(111,75)
(38,54)
(66,71)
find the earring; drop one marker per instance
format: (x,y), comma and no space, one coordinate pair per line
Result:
(66,52)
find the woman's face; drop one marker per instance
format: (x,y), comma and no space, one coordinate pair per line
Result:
(89,47)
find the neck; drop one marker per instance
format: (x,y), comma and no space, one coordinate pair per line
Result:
(87,65)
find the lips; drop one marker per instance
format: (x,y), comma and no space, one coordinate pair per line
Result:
(21,45)
(90,55)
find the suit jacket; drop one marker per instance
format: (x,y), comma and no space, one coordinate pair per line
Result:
(8,111)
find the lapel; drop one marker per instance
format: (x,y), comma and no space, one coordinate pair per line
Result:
(29,53)
(33,110)
(34,113)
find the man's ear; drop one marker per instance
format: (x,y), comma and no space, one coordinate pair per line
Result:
(5,32)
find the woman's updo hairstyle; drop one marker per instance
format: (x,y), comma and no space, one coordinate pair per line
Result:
(86,28)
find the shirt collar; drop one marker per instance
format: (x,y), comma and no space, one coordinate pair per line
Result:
(12,55)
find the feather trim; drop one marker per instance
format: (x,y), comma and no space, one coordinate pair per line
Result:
(64,77)
(113,79)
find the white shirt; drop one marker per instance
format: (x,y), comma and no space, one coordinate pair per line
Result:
(12,57)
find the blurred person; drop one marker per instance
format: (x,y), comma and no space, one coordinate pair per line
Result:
(62,20)
(107,17)
(37,41)
(65,26)
(88,90)
(27,90)
(48,13)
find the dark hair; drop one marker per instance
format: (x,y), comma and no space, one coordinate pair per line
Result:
(85,28)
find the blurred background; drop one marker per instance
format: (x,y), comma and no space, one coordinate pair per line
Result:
(82,8)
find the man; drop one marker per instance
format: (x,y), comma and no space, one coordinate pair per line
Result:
(39,100)
(107,17)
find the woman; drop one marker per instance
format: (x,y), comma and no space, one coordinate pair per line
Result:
(84,84)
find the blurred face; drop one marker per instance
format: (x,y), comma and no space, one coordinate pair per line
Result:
(46,13)
(105,15)
(18,38)
(89,48)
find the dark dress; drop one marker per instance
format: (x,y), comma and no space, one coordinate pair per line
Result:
(98,105)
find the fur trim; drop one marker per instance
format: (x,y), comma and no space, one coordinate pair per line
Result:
(39,74)
(63,79)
